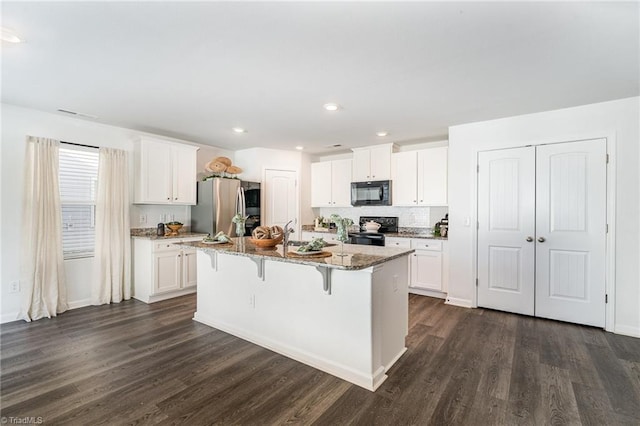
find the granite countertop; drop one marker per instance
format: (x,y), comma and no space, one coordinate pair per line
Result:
(402,232)
(151,234)
(357,256)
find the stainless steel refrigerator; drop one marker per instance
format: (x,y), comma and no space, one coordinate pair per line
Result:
(219,200)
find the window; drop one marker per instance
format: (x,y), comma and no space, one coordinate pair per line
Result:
(78,186)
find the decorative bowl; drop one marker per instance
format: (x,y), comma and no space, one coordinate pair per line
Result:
(371,226)
(266,242)
(175,227)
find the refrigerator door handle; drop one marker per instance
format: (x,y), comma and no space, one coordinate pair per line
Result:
(243,206)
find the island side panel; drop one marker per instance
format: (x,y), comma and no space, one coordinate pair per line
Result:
(390,311)
(290,313)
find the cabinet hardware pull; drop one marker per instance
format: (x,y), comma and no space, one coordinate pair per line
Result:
(529,239)
(168,198)
(541,240)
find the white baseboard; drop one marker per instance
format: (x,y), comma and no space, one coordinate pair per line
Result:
(464,303)
(79,303)
(369,381)
(165,296)
(627,330)
(429,293)
(72,305)
(13,316)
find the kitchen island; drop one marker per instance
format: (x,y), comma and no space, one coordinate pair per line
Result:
(345,315)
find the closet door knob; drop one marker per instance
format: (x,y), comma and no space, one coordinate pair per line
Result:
(529,239)
(541,240)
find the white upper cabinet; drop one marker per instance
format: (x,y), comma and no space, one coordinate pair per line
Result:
(420,177)
(165,172)
(372,163)
(404,190)
(432,176)
(331,183)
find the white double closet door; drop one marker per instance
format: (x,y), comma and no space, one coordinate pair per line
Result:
(542,231)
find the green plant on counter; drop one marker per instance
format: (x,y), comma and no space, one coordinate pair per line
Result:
(174,222)
(436,230)
(238,218)
(342,225)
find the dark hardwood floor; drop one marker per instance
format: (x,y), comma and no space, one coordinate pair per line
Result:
(133,363)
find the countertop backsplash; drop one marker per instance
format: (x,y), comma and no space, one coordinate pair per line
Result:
(154,214)
(408,217)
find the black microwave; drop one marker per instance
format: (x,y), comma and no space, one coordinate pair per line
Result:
(371,193)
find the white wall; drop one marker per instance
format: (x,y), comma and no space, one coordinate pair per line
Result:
(618,121)
(19,122)
(254,161)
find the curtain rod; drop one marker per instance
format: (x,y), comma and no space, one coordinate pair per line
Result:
(79,144)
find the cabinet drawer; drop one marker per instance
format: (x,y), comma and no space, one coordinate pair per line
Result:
(426,244)
(397,242)
(165,246)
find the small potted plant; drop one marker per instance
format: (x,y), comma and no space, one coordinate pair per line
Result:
(239,220)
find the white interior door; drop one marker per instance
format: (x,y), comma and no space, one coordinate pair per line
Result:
(506,228)
(281,199)
(571,233)
(542,231)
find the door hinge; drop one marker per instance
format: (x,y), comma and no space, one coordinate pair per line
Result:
(478,168)
(607,158)
(606,227)
(606,298)
(477,225)
(476,282)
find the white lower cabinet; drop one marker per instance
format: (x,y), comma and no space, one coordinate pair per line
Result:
(162,270)
(428,265)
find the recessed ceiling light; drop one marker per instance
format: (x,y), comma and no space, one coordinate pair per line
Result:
(300,148)
(382,134)
(331,107)
(239,130)
(9,36)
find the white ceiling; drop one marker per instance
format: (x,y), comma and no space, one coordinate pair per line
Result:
(195,70)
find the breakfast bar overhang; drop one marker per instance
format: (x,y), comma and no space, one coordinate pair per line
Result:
(345,314)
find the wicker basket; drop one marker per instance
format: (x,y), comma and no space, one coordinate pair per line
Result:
(266,242)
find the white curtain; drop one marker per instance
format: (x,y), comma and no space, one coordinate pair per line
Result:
(42,262)
(112,277)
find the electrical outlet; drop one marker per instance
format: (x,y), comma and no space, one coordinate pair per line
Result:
(143,219)
(14,287)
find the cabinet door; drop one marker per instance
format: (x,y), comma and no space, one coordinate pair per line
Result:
(426,270)
(361,165)
(380,162)
(166,271)
(341,183)
(189,276)
(405,175)
(155,173)
(184,175)
(432,176)
(321,184)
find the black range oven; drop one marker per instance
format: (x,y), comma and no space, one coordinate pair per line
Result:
(387,224)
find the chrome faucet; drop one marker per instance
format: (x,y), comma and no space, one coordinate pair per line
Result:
(285,237)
